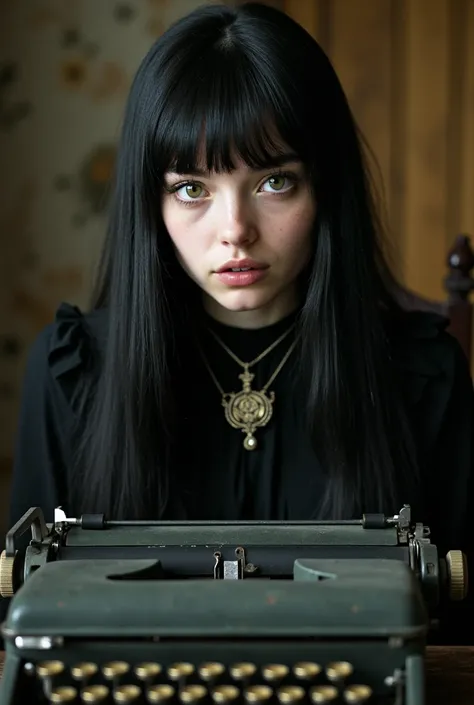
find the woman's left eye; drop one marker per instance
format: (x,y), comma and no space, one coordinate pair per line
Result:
(279,183)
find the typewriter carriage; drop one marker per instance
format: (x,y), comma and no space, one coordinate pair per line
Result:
(233,550)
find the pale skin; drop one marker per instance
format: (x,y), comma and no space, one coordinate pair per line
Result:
(266,215)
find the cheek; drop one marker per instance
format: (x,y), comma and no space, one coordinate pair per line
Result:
(295,233)
(182,234)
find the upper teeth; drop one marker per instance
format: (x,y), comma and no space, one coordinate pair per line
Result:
(242,269)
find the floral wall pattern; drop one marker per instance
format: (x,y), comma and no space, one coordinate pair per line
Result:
(65,70)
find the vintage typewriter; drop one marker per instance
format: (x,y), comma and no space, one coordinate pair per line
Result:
(261,612)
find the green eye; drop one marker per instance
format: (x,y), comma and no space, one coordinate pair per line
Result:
(193,190)
(277,182)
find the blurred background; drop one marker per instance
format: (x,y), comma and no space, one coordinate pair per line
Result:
(65,69)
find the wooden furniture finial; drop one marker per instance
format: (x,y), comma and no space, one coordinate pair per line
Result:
(459,283)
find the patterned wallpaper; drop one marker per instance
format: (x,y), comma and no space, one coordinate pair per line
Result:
(65,70)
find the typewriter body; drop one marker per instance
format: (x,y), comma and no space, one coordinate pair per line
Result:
(174,612)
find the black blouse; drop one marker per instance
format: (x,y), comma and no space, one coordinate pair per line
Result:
(218,478)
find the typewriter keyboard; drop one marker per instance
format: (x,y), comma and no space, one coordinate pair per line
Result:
(198,684)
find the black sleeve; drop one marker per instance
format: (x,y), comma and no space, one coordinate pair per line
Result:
(39,473)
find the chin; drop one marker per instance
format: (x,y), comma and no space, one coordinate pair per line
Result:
(243,301)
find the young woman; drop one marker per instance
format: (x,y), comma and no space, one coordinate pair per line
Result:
(245,355)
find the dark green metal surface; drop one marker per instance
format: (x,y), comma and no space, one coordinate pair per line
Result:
(217,534)
(360,598)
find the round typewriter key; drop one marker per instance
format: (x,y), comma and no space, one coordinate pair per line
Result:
(94,694)
(323,694)
(127,693)
(147,671)
(192,693)
(242,671)
(84,671)
(290,694)
(180,671)
(275,672)
(48,669)
(338,671)
(64,694)
(115,669)
(159,693)
(211,670)
(258,693)
(307,670)
(225,694)
(357,694)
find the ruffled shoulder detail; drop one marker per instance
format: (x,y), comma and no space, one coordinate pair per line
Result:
(69,340)
(75,342)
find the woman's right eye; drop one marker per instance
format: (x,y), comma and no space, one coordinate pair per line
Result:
(189,191)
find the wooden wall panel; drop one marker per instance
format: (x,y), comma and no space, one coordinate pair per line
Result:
(467,141)
(306,13)
(424,235)
(364,67)
(408,69)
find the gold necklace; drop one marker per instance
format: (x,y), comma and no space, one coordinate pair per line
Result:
(249,409)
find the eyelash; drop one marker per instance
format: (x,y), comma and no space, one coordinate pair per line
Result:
(176,187)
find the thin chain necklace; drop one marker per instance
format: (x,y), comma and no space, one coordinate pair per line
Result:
(249,409)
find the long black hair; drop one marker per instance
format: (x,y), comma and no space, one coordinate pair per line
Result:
(248,80)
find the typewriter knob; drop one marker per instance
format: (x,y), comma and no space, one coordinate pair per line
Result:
(357,694)
(258,693)
(6,574)
(225,694)
(127,693)
(323,694)
(94,694)
(159,693)
(63,694)
(290,694)
(275,672)
(457,575)
(192,693)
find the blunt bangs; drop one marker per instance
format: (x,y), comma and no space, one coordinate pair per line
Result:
(221,109)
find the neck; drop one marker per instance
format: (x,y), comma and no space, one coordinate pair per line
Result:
(252,319)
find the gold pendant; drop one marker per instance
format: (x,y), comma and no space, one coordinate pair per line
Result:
(248,409)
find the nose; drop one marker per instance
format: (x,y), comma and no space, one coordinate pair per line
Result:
(238,227)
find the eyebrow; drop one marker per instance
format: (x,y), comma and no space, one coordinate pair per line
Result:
(277,160)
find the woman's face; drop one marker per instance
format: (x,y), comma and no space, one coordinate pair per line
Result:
(257,221)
